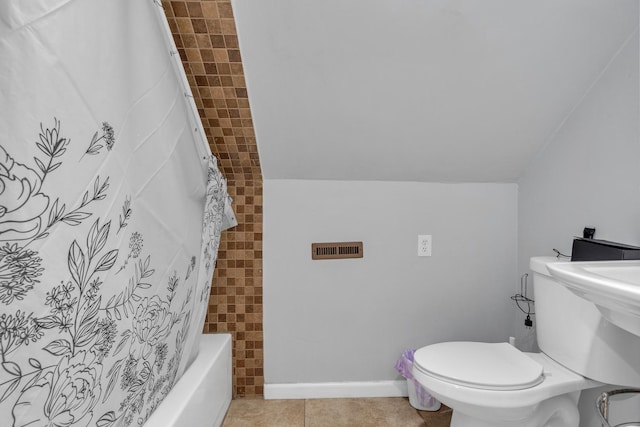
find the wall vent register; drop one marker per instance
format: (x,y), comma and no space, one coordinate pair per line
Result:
(336,250)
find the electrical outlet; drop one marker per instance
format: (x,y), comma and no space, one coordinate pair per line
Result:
(424,245)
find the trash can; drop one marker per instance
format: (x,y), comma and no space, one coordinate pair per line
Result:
(419,398)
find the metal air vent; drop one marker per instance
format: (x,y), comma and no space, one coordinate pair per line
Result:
(336,250)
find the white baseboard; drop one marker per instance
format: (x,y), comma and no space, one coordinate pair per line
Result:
(396,388)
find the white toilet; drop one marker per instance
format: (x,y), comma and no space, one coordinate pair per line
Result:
(496,385)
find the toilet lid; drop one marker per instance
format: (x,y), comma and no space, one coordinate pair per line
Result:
(490,366)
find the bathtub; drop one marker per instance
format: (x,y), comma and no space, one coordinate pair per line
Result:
(203,394)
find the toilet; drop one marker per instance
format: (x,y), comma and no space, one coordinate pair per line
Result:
(497,385)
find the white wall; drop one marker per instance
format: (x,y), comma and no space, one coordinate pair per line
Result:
(589,173)
(466,90)
(349,320)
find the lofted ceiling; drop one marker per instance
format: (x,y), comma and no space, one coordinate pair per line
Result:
(419,90)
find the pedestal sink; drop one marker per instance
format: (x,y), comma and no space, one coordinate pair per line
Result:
(613,286)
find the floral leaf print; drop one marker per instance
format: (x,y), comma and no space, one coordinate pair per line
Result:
(81,296)
(152,323)
(123,300)
(35,363)
(108,137)
(136,328)
(53,146)
(75,216)
(63,305)
(107,261)
(192,266)
(129,373)
(106,334)
(12,368)
(15,330)
(145,375)
(79,264)
(126,214)
(113,375)
(172,285)
(99,190)
(161,355)
(87,323)
(58,347)
(35,377)
(11,387)
(214,213)
(63,397)
(97,238)
(94,146)
(140,371)
(48,322)
(136,242)
(88,305)
(107,419)
(76,263)
(21,202)
(125,338)
(19,272)
(136,382)
(55,214)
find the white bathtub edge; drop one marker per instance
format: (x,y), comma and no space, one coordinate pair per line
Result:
(202,396)
(396,388)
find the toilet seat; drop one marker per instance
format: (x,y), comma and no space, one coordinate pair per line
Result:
(558,380)
(487,366)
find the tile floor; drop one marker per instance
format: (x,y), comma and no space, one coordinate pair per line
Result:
(369,412)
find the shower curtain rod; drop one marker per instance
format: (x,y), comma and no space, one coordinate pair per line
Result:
(197,128)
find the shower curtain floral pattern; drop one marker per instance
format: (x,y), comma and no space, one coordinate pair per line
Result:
(109,227)
(108,360)
(96,341)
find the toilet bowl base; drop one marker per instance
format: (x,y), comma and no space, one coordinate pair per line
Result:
(559,411)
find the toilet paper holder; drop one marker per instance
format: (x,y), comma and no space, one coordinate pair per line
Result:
(602,406)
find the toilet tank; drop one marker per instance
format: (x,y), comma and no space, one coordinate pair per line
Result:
(572,332)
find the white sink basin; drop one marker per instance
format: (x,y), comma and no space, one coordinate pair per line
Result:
(613,286)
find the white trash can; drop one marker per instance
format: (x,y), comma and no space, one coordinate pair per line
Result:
(420,398)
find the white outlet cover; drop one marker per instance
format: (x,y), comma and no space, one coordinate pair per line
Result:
(424,245)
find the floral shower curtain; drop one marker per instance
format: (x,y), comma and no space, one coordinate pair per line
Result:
(111,208)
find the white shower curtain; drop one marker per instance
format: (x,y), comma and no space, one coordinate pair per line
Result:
(111,208)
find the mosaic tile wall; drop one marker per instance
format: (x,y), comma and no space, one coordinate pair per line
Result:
(205,35)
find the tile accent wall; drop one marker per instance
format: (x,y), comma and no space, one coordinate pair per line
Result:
(205,35)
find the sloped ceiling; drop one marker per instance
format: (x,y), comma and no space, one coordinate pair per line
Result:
(419,90)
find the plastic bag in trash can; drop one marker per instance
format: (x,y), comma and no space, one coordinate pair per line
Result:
(404,365)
